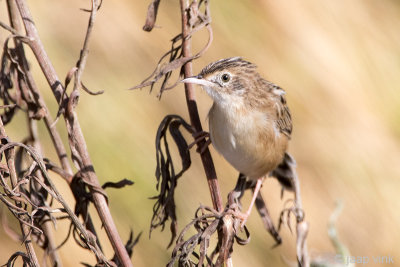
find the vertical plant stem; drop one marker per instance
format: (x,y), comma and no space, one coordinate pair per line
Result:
(301,227)
(206,159)
(76,134)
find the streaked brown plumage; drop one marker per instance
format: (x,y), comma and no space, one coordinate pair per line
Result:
(249,121)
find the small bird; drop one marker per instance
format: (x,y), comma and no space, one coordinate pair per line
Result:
(249,122)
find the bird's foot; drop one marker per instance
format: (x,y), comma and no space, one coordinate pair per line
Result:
(285,215)
(239,216)
(244,216)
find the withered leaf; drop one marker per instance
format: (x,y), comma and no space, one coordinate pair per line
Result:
(151,15)
(164,208)
(124,182)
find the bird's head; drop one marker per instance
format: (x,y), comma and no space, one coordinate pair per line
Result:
(227,80)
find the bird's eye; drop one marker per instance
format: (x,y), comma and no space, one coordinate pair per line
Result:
(225,77)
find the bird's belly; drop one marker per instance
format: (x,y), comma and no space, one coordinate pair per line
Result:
(242,145)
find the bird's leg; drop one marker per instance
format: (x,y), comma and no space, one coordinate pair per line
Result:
(237,193)
(257,188)
(198,137)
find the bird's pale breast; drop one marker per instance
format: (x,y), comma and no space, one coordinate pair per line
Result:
(248,139)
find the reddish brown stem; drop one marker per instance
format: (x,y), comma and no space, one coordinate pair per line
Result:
(206,158)
(76,133)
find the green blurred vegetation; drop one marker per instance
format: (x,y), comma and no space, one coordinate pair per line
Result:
(339,62)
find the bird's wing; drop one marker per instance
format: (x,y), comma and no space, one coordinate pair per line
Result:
(284,119)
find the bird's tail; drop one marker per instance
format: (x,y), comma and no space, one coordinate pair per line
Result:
(285,172)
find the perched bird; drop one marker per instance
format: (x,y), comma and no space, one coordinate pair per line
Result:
(249,122)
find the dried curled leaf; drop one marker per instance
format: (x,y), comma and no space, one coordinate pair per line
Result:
(130,244)
(8,71)
(119,184)
(176,60)
(151,15)
(25,259)
(166,175)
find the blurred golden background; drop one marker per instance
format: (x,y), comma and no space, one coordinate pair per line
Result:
(339,62)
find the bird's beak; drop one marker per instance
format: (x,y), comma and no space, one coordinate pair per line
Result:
(198,80)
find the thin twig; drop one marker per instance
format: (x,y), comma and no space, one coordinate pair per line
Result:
(8,28)
(85,50)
